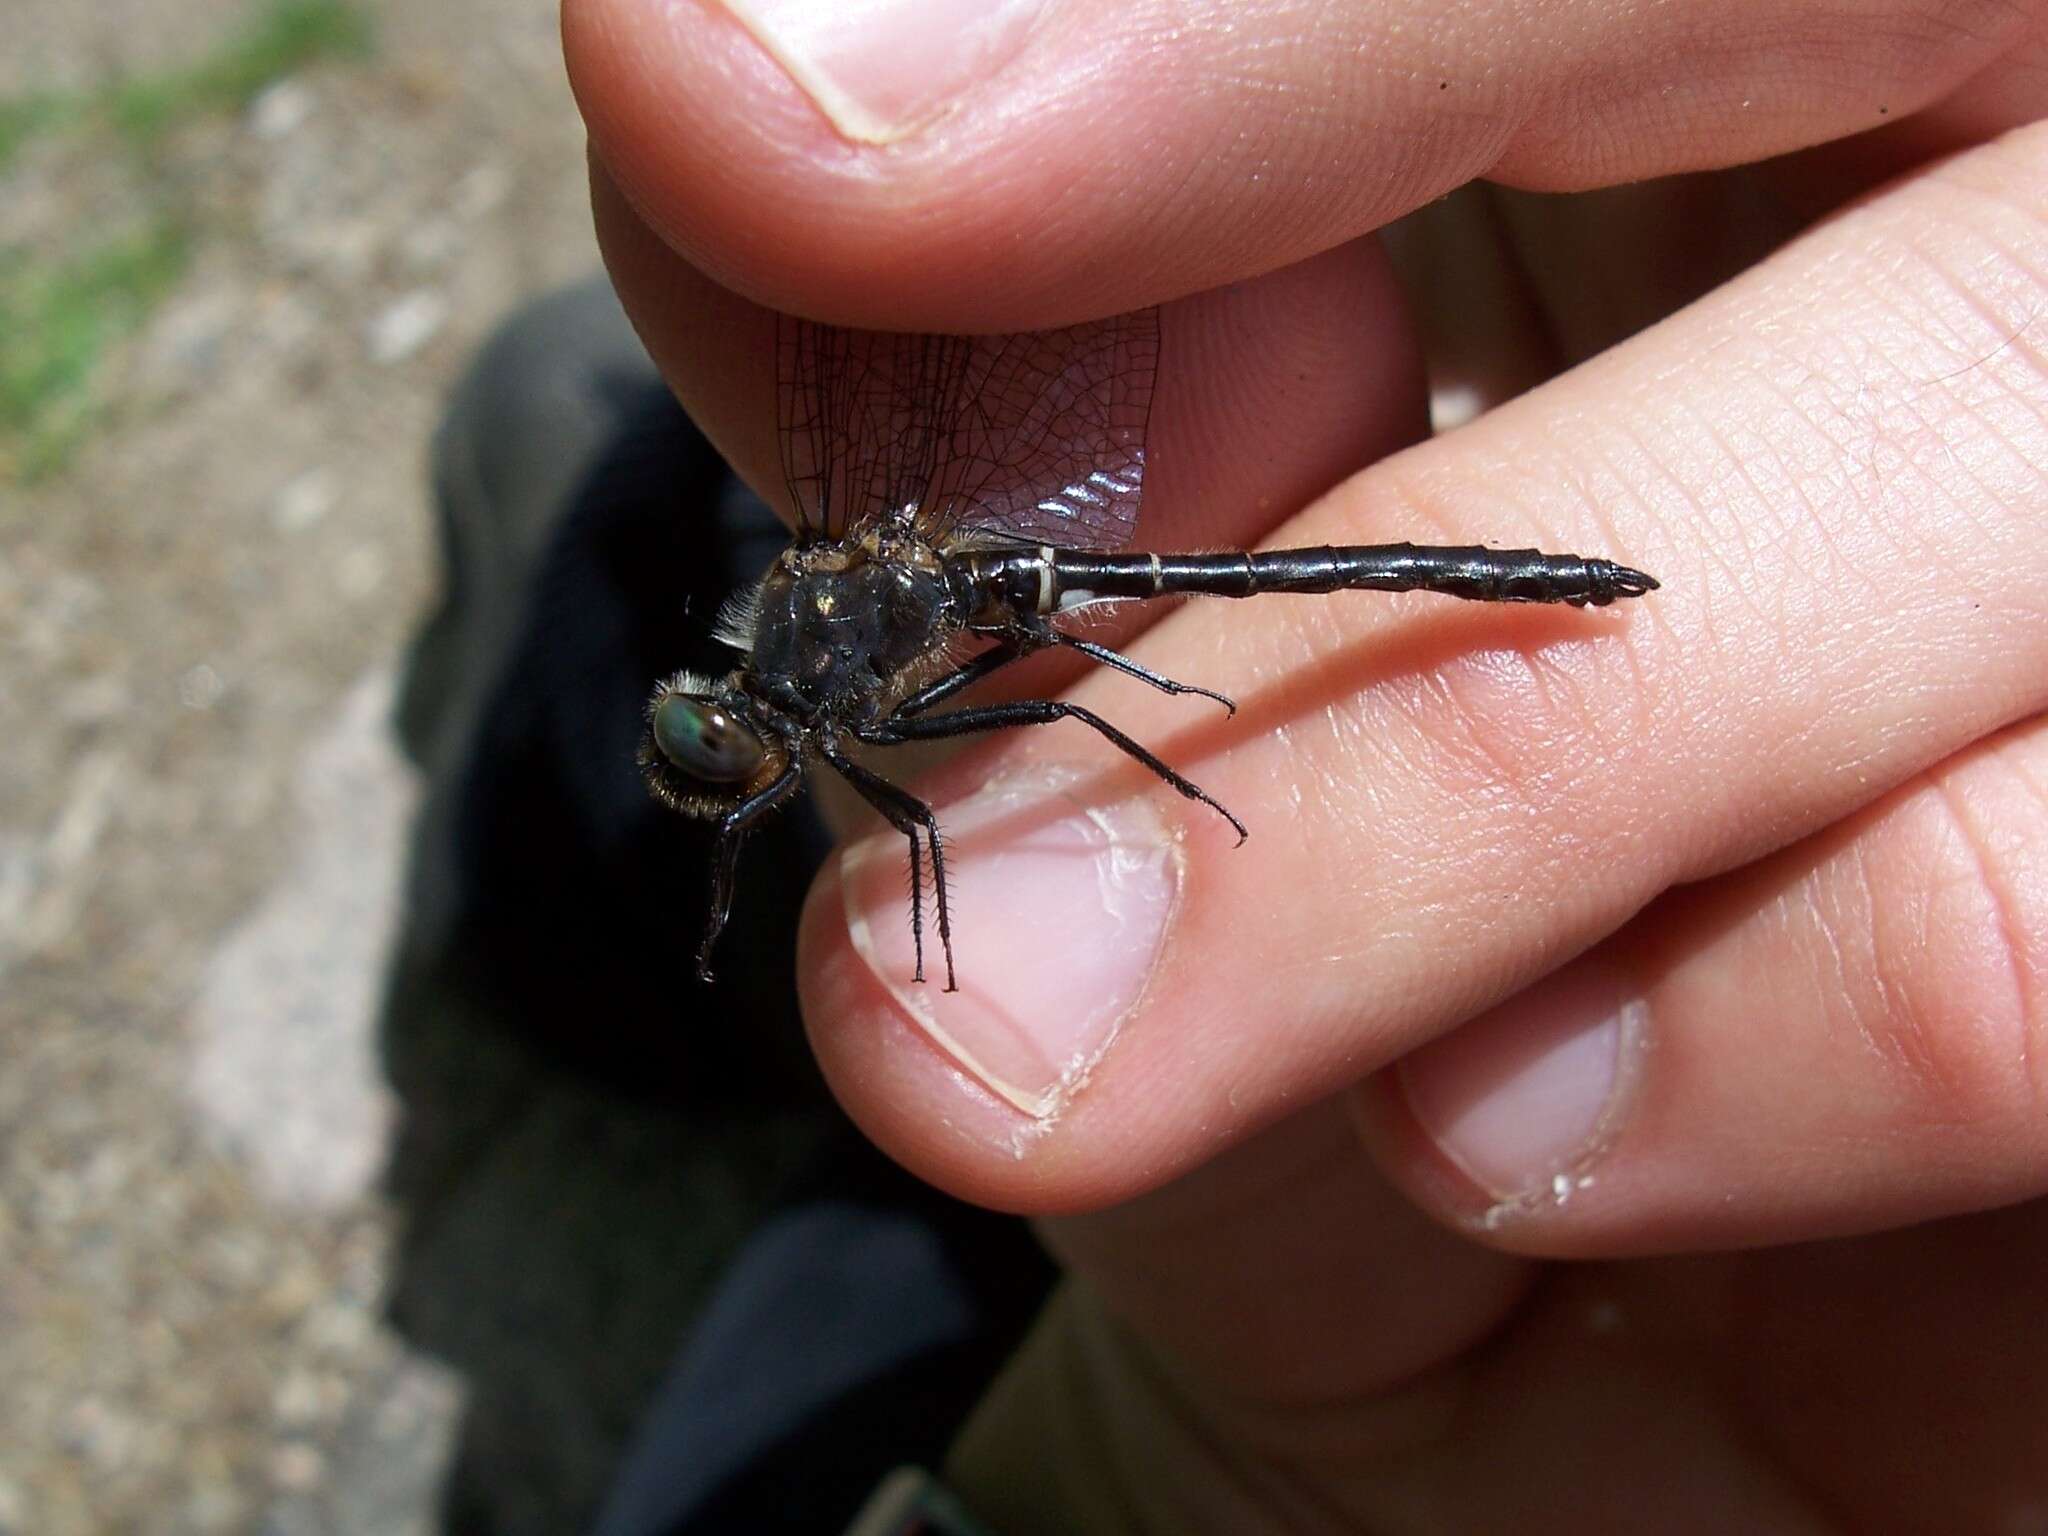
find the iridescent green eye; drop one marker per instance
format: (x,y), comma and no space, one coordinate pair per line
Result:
(704,741)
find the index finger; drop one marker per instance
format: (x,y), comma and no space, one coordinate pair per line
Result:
(969,166)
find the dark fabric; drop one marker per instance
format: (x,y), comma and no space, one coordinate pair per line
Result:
(850,1337)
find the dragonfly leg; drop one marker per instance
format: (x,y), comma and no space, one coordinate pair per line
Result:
(1013,644)
(1130,668)
(995,717)
(908,814)
(725,857)
(941,689)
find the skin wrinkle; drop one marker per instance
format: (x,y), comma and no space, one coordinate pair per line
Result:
(1603,518)
(1377,755)
(1936,426)
(1884,429)
(1451,734)
(2030,475)
(1873,500)
(1775,70)
(1717,552)
(1989,878)
(2009,755)
(1992,534)
(1908,1017)
(1968,291)
(1738,468)
(1464,738)
(2014,348)
(2006,532)
(1521,741)
(1840,426)
(1943,1051)
(1962,277)
(1658,622)
(1837,918)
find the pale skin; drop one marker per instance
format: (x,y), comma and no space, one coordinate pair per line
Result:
(1794,805)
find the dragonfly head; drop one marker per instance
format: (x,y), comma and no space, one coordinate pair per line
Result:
(701,756)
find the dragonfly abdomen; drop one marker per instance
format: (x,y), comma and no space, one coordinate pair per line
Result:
(1069,578)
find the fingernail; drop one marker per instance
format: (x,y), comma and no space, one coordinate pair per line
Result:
(1060,909)
(1528,1094)
(881,69)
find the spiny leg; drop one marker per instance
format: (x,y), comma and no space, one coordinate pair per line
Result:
(994,717)
(724,866)
(906,813)
(1130,668)
(965,676)
(725,856)
(1018,641)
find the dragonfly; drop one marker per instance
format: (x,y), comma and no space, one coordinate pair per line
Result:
(955,499)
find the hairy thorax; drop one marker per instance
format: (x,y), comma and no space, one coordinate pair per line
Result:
(846,630)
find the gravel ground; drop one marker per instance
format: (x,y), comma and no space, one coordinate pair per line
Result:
(201,819)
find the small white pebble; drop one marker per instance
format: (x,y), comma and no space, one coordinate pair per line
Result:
(306,498)
(407,325)
(280,108)
(481,190)
(200,687)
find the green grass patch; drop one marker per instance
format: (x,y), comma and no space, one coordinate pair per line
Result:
(282,36)
(56,322)
(277,38)
(22,118)
(58,317)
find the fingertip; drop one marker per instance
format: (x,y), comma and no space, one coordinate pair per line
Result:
(1498,1127)
(1026,1090)
(996,210)
(772,184)
(901,1088)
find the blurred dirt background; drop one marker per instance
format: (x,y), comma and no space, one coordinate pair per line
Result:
(245,248)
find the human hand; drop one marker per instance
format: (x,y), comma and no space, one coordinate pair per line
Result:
(1647,939)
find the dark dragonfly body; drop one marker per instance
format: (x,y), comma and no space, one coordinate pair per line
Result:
(955,489)
(1057,579)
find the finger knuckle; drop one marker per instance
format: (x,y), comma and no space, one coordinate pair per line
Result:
(1954,995)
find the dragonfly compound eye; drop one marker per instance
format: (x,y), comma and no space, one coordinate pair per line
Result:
(705,741)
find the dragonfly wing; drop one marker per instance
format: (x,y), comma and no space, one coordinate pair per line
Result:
(1038,436)
(862,420)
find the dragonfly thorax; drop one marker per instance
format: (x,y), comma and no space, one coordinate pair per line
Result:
(842,631)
